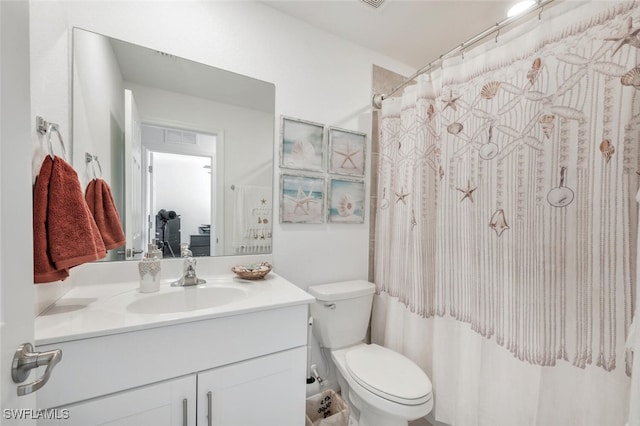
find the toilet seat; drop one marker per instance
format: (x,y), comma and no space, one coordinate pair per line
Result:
(388,374)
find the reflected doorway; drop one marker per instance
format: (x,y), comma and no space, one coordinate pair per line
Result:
(180,188)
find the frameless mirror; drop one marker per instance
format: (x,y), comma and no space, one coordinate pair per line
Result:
(186,148)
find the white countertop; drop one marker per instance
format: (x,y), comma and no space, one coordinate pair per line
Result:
(92,310)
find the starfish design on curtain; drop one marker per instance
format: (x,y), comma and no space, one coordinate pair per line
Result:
(468,191)
(629,36)
(451,102)
(401,196)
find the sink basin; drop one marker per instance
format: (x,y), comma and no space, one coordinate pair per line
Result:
(187,299)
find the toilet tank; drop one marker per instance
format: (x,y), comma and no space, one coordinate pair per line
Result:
(341,312)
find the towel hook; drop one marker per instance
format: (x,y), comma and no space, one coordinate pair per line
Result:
(44,127)
(93,160)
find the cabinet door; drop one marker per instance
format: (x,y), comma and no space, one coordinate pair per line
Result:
(161,404)
(268,390)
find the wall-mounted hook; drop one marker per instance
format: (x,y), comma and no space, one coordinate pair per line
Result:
(93,160)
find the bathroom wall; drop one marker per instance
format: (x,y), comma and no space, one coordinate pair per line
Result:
(318,77)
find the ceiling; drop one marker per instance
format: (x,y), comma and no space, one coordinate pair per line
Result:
(414,32)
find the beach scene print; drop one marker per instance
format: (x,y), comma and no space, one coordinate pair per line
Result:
(302,145)
(302,199)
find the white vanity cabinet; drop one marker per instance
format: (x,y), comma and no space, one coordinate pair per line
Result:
(262,391)
(247,369)
(168,403)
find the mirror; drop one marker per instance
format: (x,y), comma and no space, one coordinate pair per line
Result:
(186,148)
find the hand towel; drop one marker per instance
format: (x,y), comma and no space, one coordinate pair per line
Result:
(44,269)
(251,219)
(103,208)
(65,234)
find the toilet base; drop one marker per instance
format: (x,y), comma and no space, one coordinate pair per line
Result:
(370,416)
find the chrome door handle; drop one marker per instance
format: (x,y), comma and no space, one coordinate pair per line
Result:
(184,412)
(209,419)
(129,252)
(25,359)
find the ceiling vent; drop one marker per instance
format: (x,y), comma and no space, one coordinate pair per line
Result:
(374,3)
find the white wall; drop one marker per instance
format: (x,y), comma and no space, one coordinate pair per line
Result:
(318,77)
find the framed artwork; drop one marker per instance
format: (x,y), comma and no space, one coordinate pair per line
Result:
(346,201)
(347,152)
(301,144)
(302,199)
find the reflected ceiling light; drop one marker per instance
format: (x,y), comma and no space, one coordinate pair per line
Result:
(520,7)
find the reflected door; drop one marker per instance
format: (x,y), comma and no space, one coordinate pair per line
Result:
(133,178)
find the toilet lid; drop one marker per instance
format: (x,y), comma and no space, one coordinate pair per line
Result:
(388,374)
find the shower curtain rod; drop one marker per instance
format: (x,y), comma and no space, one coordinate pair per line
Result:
(379,97)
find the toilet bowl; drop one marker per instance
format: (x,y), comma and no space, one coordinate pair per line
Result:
(383,387)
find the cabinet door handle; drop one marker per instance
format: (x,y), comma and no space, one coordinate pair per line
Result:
(184,412)
(209,418)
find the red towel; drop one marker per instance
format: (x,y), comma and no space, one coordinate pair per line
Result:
(103,208)
(44,269)
(65,234)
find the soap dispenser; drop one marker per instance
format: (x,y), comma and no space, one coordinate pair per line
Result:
(150,269)
(153,249)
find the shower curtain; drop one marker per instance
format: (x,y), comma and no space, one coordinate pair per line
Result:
(505,256)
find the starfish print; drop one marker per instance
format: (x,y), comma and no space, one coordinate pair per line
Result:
(626,36)
(263,201)
(451,102)
(401,196)
(467,192)
(302,200)
(347,156)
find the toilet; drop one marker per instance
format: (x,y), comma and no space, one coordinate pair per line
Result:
(382,387)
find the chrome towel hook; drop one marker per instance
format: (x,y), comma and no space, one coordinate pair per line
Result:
(93,160)
(44,127)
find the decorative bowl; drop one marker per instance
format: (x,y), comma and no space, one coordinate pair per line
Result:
(253,271)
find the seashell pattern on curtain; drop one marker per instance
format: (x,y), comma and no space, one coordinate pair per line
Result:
(506,189)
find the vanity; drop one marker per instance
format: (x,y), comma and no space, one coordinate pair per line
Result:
(229,352)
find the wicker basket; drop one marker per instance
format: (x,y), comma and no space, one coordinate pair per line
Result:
(256,271)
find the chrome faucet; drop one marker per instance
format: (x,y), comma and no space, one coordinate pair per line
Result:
(189,276)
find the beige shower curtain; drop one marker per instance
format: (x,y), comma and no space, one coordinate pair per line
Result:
(506,222)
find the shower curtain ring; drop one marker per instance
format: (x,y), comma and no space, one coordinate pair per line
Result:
(540,13)
(497,34)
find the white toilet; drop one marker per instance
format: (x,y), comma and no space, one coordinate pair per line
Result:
(383,387)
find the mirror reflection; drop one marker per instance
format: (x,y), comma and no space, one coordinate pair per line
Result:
(186,148)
